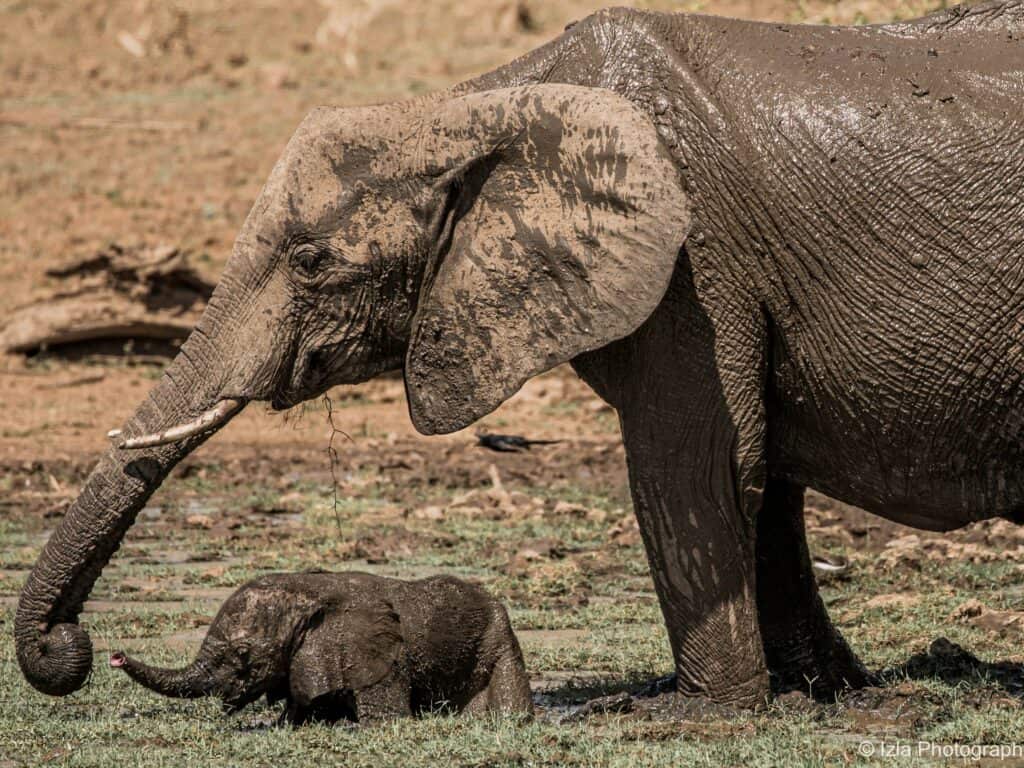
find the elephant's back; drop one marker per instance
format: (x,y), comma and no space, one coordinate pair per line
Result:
(853,76)
(1004,16)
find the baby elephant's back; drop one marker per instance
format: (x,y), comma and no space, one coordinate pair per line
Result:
(451,628)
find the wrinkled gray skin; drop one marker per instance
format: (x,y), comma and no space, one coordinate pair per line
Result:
(353,646)
(789,256)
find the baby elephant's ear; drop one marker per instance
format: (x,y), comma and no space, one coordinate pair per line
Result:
(562,221)
(346,650)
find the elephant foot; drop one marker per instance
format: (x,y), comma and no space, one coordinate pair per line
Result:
(822,667)
(661,700)
(803,650)
(817,662)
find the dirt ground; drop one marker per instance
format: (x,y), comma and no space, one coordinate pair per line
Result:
(149,123)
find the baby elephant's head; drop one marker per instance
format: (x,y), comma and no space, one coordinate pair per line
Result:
(246,654)
(237,673)
(308,638)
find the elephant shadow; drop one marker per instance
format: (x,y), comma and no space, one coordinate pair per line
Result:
(576,694)
(943,660)
(950,663)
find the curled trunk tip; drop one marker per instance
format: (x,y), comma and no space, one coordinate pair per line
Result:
(56,661)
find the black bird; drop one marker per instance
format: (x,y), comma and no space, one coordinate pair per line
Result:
(509,443)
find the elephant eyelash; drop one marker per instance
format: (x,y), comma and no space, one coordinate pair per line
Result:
(314,264)
(307,260)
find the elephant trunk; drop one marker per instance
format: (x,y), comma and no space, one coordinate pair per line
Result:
(190,682)
(54,652)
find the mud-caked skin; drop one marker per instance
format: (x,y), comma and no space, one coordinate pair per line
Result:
(353,646)
(788,255)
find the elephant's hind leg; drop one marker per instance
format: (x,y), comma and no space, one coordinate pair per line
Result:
(508,685)
(801,647)
(509,688)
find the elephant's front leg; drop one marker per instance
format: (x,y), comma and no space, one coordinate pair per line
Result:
(689,388)
(387,699)
(700,542)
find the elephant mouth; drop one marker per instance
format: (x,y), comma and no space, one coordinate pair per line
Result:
(308,378)
(284,400)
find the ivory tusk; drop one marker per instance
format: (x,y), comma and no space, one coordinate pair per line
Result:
(206,421)
(829,565)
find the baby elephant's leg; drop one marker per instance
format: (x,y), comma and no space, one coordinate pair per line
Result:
(508,688)
(387,699)
(294,714)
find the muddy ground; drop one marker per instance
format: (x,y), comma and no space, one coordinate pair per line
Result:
(153,124)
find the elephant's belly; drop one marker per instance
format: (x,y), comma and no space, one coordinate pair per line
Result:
(888,479)
(932,501)
(931,444)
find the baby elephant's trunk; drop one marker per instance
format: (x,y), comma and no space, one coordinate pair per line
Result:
(190,682)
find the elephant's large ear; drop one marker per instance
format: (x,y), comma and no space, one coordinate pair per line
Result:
(345,649)
(563,220)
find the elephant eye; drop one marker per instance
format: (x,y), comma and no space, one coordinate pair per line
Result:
(307,260)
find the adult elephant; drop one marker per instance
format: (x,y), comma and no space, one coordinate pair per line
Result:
(788,256)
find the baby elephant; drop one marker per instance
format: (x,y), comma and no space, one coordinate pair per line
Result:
(353,646)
